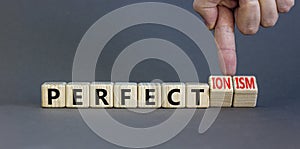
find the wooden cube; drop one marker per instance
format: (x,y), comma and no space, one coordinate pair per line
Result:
(77,94)
(149,95)
(125,95)
(197,95)
(101,95)
(53,94)
(245,91)
(173,95)
(221,91)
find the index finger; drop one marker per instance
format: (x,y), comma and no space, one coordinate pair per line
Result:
(224,35)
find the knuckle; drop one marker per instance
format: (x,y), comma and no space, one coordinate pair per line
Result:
(227,49)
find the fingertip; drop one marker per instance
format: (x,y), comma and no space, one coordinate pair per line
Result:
(210,26)
(210,20)
(248,17)
(231,71)
(248,30)
(228,62)
(285,6)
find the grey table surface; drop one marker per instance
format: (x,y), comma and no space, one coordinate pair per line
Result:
(38,40)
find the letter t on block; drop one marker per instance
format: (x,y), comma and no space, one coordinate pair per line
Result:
(53,95)
(197,95)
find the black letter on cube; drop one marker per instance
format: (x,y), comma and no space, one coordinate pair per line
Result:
(123,97)
(170,97)
(50,97)
(148,96)
(75,96)
(101,97)
(197,91)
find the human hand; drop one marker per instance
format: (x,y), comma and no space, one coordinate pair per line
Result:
(221,15)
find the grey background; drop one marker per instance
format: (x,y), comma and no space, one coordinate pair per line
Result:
(38,40)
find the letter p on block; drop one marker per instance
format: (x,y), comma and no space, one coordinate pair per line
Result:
(53,95)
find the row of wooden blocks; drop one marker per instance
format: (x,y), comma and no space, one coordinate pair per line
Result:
(222,91)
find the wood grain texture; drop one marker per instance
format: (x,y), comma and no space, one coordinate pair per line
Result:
(221,91)
(245,91)
(197,95)
(77,95)
(53,95)
(177,97)
(101,95)
(149,95)
(125,95)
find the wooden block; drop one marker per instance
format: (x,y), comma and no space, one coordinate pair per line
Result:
(149,95)
(77,94)
(173,95)
(245,85)
(53,94)
(245,91)
(197,95)
(221,91)
(125,95)
(101,95)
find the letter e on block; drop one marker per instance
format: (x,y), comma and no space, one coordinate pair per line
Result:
(78,94)
(149,95)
